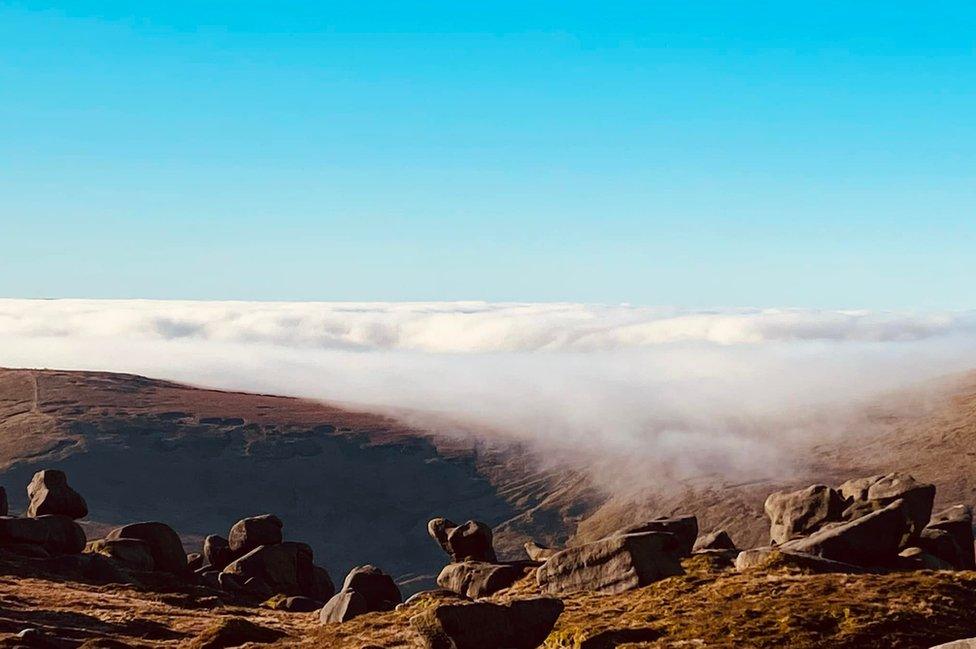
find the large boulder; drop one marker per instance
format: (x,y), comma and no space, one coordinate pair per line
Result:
(216,552)
(472,540)
(134,554)
(49,493)
(286,568)
(342,607)
(522,624)
(54,534)
(865,495)
(793,514)
(611,565)
(249,533)
(871,540)
(438,529)
(321,587)
(684,528)
(377,588)
(957,523)
(476,579)
(717,540)
(164,544)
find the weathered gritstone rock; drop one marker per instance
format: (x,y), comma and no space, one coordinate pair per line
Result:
(342,607)
(476,579)
(249,533)
(611,565)
(718,540)
(472,540)
(164,544)
(55,534)
(538,552)
(438,529)
(872,540)
(194,561)
(969,643)
(957,522)
(522,624)
(321,587)
(217,552)
(793,514)
(763,557)
(49,493)
(377,588)
(134,554)
(285,567)
(877,492)
(684,529)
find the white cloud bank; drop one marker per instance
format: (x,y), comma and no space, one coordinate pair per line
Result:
(683,392)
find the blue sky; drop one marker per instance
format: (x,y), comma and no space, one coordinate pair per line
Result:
(691,154)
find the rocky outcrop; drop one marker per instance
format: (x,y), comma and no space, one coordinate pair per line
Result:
(476,579)
(717,540)
(342,607)
(164,544)
(949,536)
(865,495)
(366,589)
(284,567)
(684,529)
(522,624)
(250,533)
(871,540)
(377,588)
(216,552)
(611,565)
(794,514)
(53,534)
(49,493)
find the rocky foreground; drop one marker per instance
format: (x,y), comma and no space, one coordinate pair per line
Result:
(865,564)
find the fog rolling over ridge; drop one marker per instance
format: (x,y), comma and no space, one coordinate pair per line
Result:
(656,393)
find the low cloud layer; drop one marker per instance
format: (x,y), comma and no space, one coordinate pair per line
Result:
(677,393)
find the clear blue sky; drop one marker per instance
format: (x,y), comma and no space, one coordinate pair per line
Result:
(687,153)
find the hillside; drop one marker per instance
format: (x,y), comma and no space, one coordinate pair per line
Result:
(359,486)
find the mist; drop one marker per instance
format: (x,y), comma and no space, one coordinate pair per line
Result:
(656,392)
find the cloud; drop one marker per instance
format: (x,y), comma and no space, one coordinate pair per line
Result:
(683,393)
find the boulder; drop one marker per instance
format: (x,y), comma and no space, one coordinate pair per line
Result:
(969,643)
(538,552)
(472,540)
(257,588)
(377,588)
(684,528)
(957,522)
(717,540)
(134,554)
(877,492)
(230,582)
(27,550)
(285,567)
(342,607)
(793,514)
(611,565)
(767,557)
(249,533)
(476,579)
(438,529)
(49,493)
(522,624)
(55,534)
(871,540)
(436,593)
(217,552)
(164,544)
